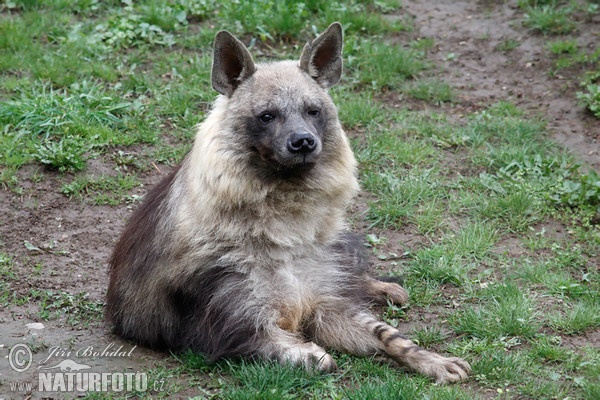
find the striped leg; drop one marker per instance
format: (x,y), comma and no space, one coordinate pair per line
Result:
(363,334)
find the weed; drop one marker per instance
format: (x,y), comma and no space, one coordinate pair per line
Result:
(77,308)
(6,267)
(582,316)
(549,349)
(427,336)
(559,47)
(57,127)
(508,45)
(590,96)
(549,19)
(359,110)
(432,91)
(497,367)
(66,155)
(105,190)
(507,311)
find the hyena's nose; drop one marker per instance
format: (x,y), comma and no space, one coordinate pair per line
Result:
(303,143)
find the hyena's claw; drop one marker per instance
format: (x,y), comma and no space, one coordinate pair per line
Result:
(450,370)
(325,363)
(396,293)
(381,292)
(311,357)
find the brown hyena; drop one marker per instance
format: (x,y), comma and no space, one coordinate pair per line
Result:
(243,250)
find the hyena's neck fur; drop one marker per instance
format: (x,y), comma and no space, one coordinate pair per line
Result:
(238,205)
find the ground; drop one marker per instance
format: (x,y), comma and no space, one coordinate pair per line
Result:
(59,246)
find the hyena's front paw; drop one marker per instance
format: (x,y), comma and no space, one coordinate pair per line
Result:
(444,369)
(310,356)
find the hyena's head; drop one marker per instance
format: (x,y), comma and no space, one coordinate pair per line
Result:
(281,111)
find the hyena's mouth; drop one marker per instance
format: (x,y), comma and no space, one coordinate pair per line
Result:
(294,164)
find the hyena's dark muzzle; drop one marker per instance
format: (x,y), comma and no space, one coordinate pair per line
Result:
(302,143)
(298,145)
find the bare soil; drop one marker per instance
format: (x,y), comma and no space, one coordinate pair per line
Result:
(75,239)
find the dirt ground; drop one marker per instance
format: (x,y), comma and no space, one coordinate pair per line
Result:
(74,240)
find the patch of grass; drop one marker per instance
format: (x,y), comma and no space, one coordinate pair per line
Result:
(590,94)
(582,316)
(6,267)
(504,311)
(58,127)
(105,190)
(432,91)
(390,149)
(358,110)
(433,264)
(558,47)
(76,309)
(381,65)
(549,19)
(428,336)
(507,45)
(397,198)
(499,368)
(550,350)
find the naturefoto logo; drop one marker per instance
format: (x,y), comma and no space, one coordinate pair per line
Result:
(68,366)
(71,375)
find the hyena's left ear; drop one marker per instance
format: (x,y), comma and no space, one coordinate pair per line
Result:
(322,59)
(232,63)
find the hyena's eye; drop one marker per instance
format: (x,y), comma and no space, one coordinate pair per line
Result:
(314,112)
(266,117)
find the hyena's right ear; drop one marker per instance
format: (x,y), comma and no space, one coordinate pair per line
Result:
(232,63)
(322,59)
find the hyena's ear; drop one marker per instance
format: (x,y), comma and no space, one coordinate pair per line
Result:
(232,63)
(322,59)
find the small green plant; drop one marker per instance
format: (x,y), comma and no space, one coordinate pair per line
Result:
(508,45)
(550,349)
(428,336)
(506,311)
(127,28)
(549,19)
(382,65)
(559,47)
(105,190)
(432,91)
(358,110)
(578,190)
(583,316)
(590,96)
(66,155)
(77,308)
(57,127)
(6,267)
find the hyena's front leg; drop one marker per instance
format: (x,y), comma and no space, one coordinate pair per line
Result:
(405,352)
(362,334)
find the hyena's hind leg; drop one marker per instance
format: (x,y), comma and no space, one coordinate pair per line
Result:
(351,254)
(361,333)
(383,289)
